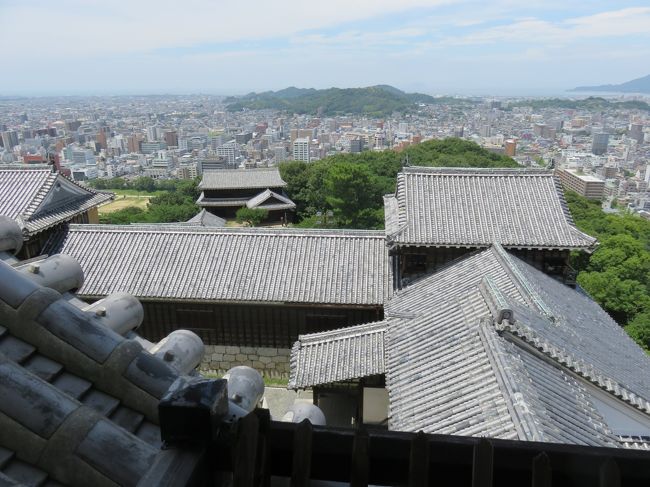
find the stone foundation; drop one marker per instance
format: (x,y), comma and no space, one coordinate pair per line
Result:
(270,362)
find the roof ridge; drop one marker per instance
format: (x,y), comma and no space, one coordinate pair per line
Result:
(180,228)
(565,359)
(345,332)
(496,301)
(522,283)
(518,396)
(477,171)
(24,168)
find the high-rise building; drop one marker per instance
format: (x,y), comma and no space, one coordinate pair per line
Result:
(356,145)
(539,129)
(585,185)
(280,154)
(243,137)
(72,125)
(171,138)
(599,143)
(151,147)
(9,139)
(511,147)
(636,132)
(485,131)
(133,143)
(102,139)
(152,133)
(301,150)
(302,134)
(230,151)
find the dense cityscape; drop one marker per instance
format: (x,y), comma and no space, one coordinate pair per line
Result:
(175,136)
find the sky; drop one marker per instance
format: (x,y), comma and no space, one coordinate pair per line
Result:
(496,47)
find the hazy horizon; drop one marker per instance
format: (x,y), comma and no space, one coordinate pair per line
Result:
(87,47)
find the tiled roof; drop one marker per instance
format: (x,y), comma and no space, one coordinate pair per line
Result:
(521,208)
(490,346)
(264,200)
(220,202)
(454,341)
(29,197)
(228,264)
(333,356)
(79,392)
(207,219)
(242,178)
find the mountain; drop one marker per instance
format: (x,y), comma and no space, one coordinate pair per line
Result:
(593,103)
(639,85)
(379,101)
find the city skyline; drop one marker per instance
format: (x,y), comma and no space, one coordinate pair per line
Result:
(436,47)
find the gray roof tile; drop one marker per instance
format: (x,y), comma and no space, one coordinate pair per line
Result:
(24,473)
(127,418)
(100,402)
(15,349)
(460,356)
(476,207)
(23,191)
(71,384)
(264,200)
(268,265)
(338,355)
(207,219)
(49,381)
(43,367)
(242,179)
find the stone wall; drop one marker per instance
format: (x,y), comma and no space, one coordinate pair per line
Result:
(270,362)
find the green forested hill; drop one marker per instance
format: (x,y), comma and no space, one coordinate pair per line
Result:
(379,101)
(352,186)
(617,274)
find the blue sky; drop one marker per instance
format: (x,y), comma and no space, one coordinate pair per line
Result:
(499,47)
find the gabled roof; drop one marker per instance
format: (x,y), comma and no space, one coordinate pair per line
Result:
(473,207)
(231,264)
(214,179)
(270,200)
(490,346)
(38,198)
(206,219)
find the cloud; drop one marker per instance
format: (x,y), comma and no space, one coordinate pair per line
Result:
(148,45)
(619,23)
(91,27)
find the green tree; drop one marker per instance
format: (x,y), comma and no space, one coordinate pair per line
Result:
(124,216)
(639,329)
(252,216)
(622,298)
(144,184)
(624,256)
(352,194)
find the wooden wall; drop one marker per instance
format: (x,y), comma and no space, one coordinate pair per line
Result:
(250,325)
(414,262)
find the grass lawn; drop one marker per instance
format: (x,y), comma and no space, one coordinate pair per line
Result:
(122,201)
